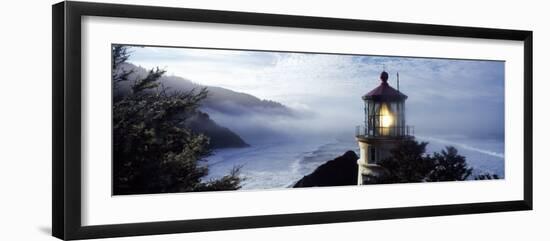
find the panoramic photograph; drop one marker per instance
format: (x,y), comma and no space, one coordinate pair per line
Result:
(201,119)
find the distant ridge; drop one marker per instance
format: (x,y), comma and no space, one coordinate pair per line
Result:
(219,99)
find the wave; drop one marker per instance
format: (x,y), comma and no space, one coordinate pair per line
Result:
(464,146)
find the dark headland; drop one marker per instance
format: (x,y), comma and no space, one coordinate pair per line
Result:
(341,171)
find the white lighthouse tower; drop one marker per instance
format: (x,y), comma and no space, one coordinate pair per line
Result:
(384,127)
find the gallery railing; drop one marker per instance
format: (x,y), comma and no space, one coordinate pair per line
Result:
(379,131)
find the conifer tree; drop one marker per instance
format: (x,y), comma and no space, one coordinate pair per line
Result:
(449,166)
(152,151)
(407,163)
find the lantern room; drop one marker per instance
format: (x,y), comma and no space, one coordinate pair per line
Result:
(384,110)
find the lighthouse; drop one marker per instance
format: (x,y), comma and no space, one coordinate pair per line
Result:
(383,128)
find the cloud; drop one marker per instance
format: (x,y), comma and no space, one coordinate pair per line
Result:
(446,96)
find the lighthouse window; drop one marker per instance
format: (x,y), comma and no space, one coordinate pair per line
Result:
(372,154)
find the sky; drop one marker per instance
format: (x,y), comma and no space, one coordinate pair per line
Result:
(446,96)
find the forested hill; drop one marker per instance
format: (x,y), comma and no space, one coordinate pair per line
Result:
(197,121)
(220,137)
(219,99)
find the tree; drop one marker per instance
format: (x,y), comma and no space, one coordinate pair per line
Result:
(449,166)
(486,176)
(120,55)
(407,163)
(152,151)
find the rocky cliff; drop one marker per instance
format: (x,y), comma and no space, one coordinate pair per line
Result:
(341,171)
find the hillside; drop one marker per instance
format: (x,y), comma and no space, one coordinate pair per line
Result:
(220,137)
(219,99)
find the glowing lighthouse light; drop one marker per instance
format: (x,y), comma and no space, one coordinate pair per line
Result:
(386,118)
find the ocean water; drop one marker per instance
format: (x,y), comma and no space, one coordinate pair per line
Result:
(281,163)
(278,164)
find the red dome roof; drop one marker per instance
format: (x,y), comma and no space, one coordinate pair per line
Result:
(384,92)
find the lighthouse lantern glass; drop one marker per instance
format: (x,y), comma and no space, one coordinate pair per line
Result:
(384,118)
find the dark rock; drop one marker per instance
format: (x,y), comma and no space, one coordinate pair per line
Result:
(341,171)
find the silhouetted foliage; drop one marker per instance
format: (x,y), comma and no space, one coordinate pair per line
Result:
(449,166)
(408,163)
(486,176)
(152,152)
(228,182)
(372,179)
(120,55)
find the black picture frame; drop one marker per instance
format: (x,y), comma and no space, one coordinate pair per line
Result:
(66,169)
